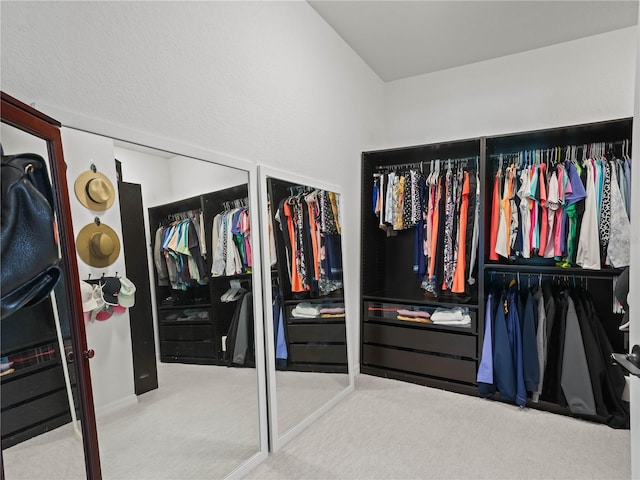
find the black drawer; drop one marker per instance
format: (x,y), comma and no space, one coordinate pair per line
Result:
(35,384)
(422,363)
(34,412)
(186,332)
(185,315)
(301,353)
(421,339)
(188,349)
(317,333)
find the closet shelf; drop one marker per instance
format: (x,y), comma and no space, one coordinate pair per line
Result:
(458,329)
(25,371)
(239,276)
(551,270)
(184,307)
(384,297)
(316,300)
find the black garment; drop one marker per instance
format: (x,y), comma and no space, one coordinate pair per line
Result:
(552,389)
(614,382)
(594,359)
(240,338)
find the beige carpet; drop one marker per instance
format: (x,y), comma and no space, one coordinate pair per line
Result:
(202,422)
(395,430)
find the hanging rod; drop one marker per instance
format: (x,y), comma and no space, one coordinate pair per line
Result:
(566,275)
(563,149)
(183,215)
(421,165)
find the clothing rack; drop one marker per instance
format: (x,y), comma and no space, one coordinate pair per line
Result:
(237,203)
(572,279)
(436,163)
(183,215)
(300,189)
(569,152)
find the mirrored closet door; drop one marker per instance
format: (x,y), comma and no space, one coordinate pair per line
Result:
(308,364)
(177,381)
(173,307)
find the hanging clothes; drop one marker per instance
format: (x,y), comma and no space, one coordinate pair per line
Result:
(562,339)
(310,225)
(177,254)
(231,241)
(568,212)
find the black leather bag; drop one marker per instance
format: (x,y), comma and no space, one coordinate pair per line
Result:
(28,239)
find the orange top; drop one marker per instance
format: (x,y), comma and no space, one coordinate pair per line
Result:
(296,280)
(434,230)
(495,216)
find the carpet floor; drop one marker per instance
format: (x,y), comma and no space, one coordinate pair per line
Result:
(394,430)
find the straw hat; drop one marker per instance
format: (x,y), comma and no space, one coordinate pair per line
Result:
(94,190)
(98,245)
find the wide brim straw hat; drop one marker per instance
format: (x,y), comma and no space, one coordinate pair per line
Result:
(98,245)
(95,191)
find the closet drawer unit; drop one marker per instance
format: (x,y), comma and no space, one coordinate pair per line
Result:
(186,332)
(25,387)
(38,410)
(317,353)
(456,369)
(188,349)
(425,340)
(329,333)
(385,312)
(184,315)
(293,319)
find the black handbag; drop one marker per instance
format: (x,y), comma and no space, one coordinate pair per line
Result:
(28,240)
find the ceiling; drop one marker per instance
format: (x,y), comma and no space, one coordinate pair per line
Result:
(400,39)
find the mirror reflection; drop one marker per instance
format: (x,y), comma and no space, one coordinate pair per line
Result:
(174,380)
(309,328)
(37,385)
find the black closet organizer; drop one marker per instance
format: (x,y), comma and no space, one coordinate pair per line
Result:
(426,353)
(448,357)
(312,344)
(194,324)
(34,396)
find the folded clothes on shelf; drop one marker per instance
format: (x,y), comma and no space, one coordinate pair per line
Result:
(332,310)
(413,313)
(306,310)
(453,316)
(413,319)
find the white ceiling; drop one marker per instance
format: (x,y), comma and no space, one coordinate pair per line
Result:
(400,39)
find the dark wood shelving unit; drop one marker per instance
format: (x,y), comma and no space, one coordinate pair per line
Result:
(447,357)
(440,356)
(313,344)
(192,339)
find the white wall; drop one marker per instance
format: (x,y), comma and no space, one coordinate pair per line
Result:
(581,81)
(112,366)
(150,171)
(270,82)
(190,177)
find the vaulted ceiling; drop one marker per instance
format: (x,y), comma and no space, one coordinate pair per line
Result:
(400,39)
